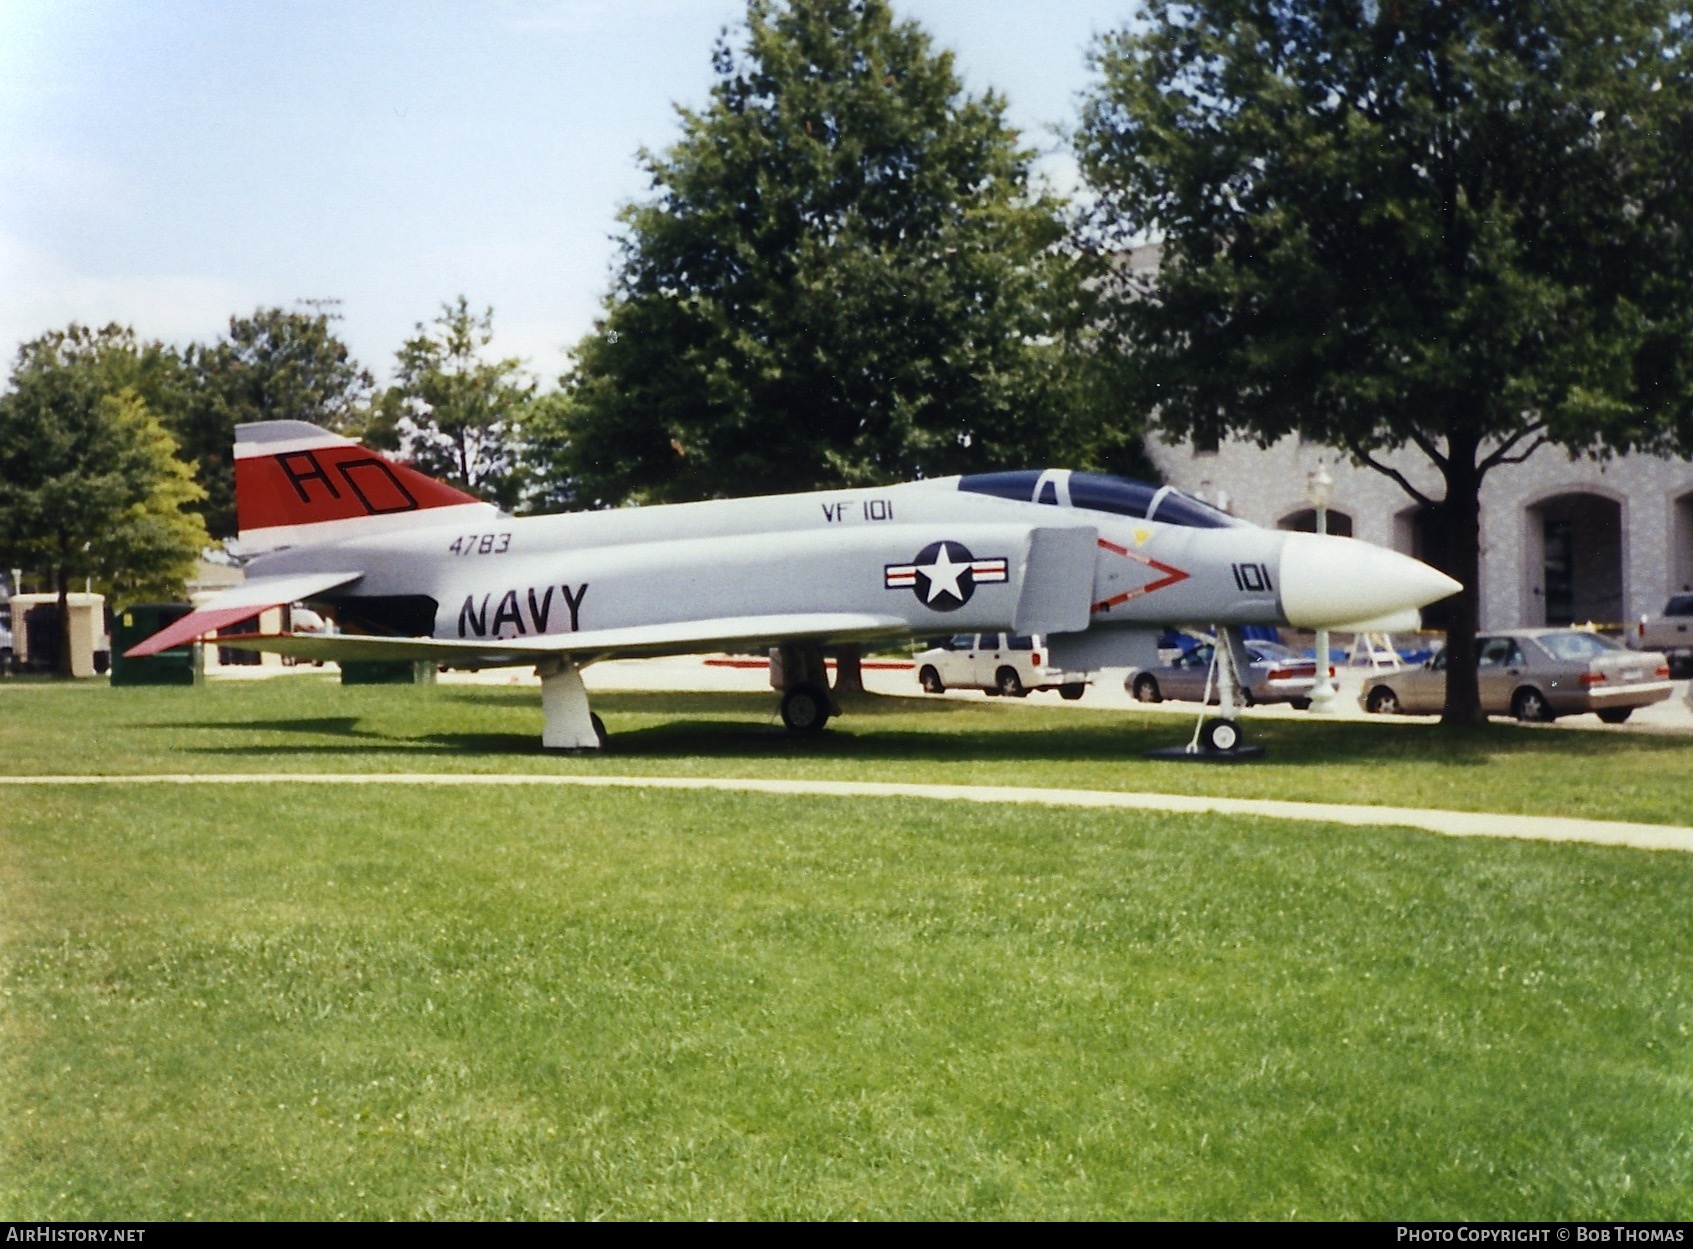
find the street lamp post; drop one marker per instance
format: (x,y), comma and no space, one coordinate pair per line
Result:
(1319,489)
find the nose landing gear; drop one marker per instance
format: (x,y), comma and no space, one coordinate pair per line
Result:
(1217,740)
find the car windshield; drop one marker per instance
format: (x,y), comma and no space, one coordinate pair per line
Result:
(1271,650)
(1577,646)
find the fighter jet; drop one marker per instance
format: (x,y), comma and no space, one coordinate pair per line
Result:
(412,569)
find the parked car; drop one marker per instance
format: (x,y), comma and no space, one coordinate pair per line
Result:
(999,663)
(1275,675)
(1534,674)
(1671,633)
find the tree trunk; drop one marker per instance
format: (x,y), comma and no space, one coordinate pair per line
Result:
(849,670)
(1463,556)
(62,580)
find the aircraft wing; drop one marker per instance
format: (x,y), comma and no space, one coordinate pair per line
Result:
(236,604)
(683,638)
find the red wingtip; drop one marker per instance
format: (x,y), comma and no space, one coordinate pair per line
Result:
(192,626)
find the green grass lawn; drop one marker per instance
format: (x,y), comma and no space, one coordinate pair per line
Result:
(312,724)
(433,1003)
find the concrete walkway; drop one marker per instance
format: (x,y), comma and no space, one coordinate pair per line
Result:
(1447,823)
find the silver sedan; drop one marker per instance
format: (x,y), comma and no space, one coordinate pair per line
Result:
(1275,675)
(1533,674)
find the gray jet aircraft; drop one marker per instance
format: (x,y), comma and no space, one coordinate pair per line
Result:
(413,569)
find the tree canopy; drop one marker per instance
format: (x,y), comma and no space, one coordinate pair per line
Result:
(90,485)
(1459,228)
(274,365)
(844,275)
(454,413)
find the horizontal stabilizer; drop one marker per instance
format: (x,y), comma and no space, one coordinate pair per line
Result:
(236,604)
(682,638)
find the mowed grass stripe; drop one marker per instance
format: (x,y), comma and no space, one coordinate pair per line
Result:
(303,724)
(297,1001)
(1448,823)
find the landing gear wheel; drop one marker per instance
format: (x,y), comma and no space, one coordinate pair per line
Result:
(805,709)
(1616,715)
(1070,693)
(1382,702)
(1146,689)
(1530,706)
(930,680)
(1009,683)
(1220,736)
(599,727)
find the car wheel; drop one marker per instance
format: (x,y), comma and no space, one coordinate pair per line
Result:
(1301,704)
(930,680)
(805,709)
(1146,689)
(1530,706)
(1009,683)
(1220,736)
(1070,693)
(1382,702)
(1616,715)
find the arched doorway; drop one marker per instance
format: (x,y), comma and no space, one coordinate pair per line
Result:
(1575,559)
(1681,554)
(1339,523)
(1420,532)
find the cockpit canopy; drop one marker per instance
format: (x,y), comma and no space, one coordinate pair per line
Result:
(1100,492)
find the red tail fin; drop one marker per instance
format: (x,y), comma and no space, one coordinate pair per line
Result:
(296,483)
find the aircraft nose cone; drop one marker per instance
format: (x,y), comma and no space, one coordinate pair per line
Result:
(1330,582)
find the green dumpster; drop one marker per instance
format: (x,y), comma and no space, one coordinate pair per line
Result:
(180,665)
(387,672)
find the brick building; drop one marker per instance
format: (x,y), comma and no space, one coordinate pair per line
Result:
(1562,540)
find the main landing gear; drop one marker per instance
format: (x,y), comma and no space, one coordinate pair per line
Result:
(800,673)
(568,725)
(1218,740)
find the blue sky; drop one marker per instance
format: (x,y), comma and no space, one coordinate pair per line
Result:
(170,163)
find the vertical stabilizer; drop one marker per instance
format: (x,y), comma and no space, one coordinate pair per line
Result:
(296,484)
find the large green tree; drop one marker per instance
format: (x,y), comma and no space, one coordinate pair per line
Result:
(274,365)
(1459,228)
(844,275)
(90,484)
(453,411)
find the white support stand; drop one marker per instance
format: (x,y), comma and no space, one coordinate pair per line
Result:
(1323,694)
(569,724)
(1374,651)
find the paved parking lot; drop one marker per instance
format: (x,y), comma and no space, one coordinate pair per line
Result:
(695,673)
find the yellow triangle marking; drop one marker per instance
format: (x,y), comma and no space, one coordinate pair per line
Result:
(1141,535)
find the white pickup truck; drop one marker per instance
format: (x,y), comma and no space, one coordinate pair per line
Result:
(1671,633)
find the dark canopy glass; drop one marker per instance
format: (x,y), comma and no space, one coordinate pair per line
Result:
(1099,492)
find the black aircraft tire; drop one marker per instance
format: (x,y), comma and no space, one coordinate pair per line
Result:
(805,709)
(1220,736)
